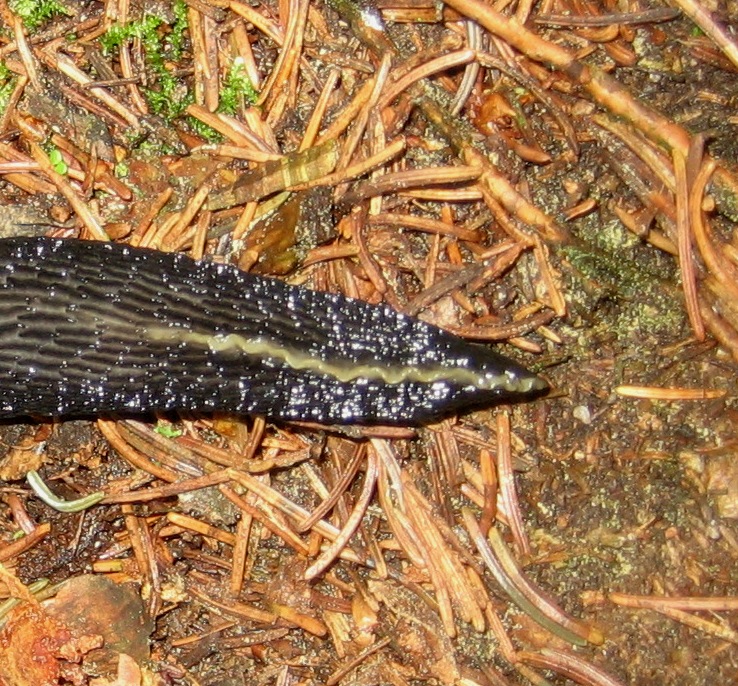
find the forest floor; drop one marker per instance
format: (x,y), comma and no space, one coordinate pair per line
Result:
(557,179)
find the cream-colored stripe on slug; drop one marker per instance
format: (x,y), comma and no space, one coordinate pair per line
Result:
(344,371)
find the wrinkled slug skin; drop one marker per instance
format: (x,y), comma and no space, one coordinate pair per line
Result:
(88,328)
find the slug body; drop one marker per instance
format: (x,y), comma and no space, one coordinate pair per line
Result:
(89,328)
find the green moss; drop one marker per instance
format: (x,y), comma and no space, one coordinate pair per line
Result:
(145,29)
(168,98)
(201,129)
(33,13)
(7,84)
(633,290)
(179,28)
(122,170)
(237,89)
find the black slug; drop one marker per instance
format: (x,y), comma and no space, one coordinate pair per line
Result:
(89,328)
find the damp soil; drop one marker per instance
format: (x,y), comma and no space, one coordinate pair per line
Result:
(619,495)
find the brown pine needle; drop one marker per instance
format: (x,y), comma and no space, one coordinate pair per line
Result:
(656,393)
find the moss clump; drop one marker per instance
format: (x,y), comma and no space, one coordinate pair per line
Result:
(168,98)
(33,13)
(163,45)
(237,89)
(7,84)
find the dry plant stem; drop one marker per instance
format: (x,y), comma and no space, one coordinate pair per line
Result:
(436,562)
(696,11)
(12,104)
(341,485)
(19,513)
(188,523)
(392,150)
(296,55)
(194,21)
(528,598)
(298,619)
(450,284)
(394,182)
(245,220)
(218,628)
(544,97)
(649,190)
(237,152)
(101,171)
(109,429)
(185,218)
(143,550)
(170,490)
(720,631)
(501,332)
(240,44)
(719,267)
(352,523)
(445,461)
(280,73)
(316,118)
(154,446)
(126,65)
(292,510)
(201,229)
(222,125)
(240,553)
(9,153)
(722,329)
(508,493)
(7,552)
(196,451)
(266,517)
(669,393)
(357,221)
(18,167)
(67,67)
(434,226)
(211,73)
(640,146)
(445,560)
(471,71)
(556,299)
(684,242)
(686,603)
(134,91)
(569,665)
(601,86)
(429,176)
(24,50)
(451,60)
(29,183)
(501,197)
(93,226)
(341,672)
(392,499)
(348,114)
(358,128)
(234,609)
(654,16)
(723,279)
(266,26)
